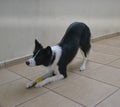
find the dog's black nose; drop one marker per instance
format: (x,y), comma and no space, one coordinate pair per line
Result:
(27,63)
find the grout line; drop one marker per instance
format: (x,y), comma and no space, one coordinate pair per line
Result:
(32,98)
(107,64)
(107,97)
(19,74)
(66,97)
(11,81)
(113,61)
(102,52)
(99,81)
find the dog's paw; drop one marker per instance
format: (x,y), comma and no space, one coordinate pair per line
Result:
(30,84)
(82,68)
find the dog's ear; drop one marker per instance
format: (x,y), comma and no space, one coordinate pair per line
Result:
(38,45)
(48,50)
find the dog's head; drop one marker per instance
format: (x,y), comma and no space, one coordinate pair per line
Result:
(41,56)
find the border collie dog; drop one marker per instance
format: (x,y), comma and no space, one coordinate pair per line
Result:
(57,57)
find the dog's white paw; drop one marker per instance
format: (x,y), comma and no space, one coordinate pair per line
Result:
(82,68)
(30,84)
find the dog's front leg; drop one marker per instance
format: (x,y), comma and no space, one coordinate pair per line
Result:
(33,82)
(49,80)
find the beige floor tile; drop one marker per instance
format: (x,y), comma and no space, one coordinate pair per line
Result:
(115,42)
(97,47)
(24,70)
(117,37)
(102,58)
(85,91)
(106,74)
(116,63)
(112,101)
(15,93)
(106,49)
(7,76)
(50,99)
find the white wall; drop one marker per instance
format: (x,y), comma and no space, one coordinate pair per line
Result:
(21,21)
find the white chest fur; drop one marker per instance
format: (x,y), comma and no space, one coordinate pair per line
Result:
(58,51)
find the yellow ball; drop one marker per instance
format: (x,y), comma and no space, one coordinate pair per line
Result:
(38,80)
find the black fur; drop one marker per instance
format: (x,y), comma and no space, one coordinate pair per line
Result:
(77,36)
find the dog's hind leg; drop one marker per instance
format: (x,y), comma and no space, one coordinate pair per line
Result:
(83,66)
(85,52)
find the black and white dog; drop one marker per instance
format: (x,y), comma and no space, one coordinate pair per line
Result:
(57,57)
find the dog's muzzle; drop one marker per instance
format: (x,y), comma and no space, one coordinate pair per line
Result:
(31,62)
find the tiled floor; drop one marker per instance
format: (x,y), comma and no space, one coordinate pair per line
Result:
(97,86)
